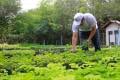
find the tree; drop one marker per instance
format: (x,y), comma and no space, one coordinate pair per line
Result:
(103,9)
(65,14)
(8,10)
(51,22)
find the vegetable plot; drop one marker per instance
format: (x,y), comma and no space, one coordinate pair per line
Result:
(25,65)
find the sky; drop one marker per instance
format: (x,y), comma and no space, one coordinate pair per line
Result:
(29,4)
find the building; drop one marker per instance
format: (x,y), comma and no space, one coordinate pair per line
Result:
(112,32)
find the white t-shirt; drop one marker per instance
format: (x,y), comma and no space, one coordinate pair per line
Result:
(88,23)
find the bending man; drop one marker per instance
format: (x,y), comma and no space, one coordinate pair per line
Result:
(87,25)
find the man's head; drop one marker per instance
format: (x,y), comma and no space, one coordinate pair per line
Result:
(78,18)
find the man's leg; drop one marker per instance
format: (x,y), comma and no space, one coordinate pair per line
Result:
(96,41)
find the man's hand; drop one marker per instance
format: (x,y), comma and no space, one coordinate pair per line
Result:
(73,50)
(89,41)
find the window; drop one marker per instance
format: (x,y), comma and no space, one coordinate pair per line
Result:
(116,31)
(116,37)
(110,32)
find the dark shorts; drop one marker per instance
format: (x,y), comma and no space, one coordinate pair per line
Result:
(95,40)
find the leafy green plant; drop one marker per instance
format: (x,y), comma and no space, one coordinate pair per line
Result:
(93,77)
(25,68)
(84,45)
(23,65)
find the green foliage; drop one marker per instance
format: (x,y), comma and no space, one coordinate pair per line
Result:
(50,23)
(93,77)
(22,64)
(25,68)
(8,11)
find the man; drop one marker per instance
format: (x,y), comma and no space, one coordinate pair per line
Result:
(87,25)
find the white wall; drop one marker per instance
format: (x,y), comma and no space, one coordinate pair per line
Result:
(112,27)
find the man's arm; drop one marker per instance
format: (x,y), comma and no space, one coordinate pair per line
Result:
(74,40)
(92,33)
